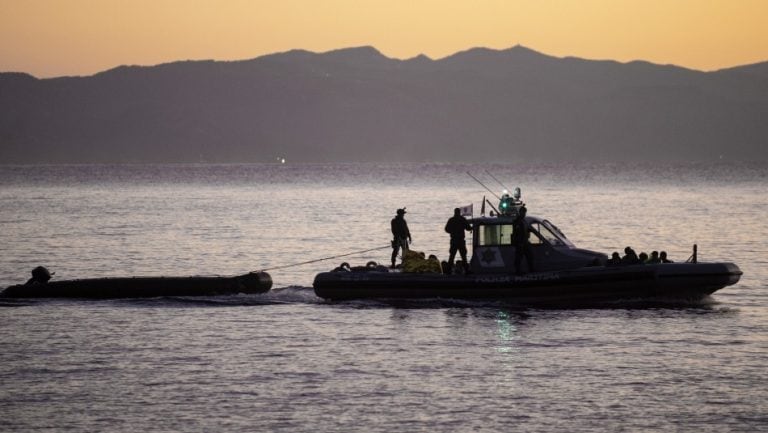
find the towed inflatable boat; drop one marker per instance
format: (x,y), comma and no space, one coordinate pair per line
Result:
(39,286)
(564,274)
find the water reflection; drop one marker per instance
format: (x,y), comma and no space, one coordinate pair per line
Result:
(507,332)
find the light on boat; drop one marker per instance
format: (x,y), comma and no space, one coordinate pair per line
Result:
(505,204)
(508,204)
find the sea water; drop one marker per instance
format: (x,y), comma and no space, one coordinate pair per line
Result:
(289,361)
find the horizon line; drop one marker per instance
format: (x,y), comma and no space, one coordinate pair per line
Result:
(356,47)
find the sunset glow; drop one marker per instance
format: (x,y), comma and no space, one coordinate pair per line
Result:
(80,37)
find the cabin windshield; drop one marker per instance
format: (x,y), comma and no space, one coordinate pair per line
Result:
(556,230)
(497,234)
(550,233)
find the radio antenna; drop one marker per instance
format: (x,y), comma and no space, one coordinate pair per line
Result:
(483,185)
(497,180)
(491,205)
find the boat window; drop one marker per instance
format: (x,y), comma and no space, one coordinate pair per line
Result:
(555,230)
(534,238)
(500,234)
(547,234)
(558,233)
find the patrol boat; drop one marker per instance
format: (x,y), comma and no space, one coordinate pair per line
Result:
(564,274)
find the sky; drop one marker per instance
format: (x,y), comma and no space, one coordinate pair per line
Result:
(49,38)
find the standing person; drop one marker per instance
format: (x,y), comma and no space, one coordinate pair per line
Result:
(402,236)
(520,239)
(456,226)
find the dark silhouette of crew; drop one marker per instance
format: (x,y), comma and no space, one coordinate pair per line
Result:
(40,275)
(630,257)
(654,259)
(456,226)
(521,241)
(615,259)
(401,234)
(663,257)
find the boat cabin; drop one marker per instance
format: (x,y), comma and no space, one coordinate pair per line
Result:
(494,252)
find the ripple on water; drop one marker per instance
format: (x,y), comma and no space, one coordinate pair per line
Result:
(289,361)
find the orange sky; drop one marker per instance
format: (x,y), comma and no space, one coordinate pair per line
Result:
(81,37)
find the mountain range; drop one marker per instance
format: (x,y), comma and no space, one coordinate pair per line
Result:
(356,104)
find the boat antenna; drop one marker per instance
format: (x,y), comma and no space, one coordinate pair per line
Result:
(483,185)
(491,205)
(497,180)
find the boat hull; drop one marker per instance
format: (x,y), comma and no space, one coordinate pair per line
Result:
(590,284)
(143,287)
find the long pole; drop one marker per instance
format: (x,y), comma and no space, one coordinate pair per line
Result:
(497,180)
(483,185)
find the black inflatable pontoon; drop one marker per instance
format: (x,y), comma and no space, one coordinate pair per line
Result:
(142,287)
(689,281)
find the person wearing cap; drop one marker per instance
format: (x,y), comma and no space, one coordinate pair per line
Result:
(402,236)
(456,226)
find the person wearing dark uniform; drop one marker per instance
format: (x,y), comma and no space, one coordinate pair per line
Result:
(522,243)
(456,226)
(402,236)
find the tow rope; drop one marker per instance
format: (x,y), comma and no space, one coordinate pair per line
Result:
(324,258)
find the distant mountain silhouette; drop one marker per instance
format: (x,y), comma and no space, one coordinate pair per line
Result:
(358,105)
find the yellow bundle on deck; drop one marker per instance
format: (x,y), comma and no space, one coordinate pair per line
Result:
(415,262)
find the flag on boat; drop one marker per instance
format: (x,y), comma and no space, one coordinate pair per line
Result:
(466,211)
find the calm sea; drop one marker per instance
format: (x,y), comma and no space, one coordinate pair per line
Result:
(288,361)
